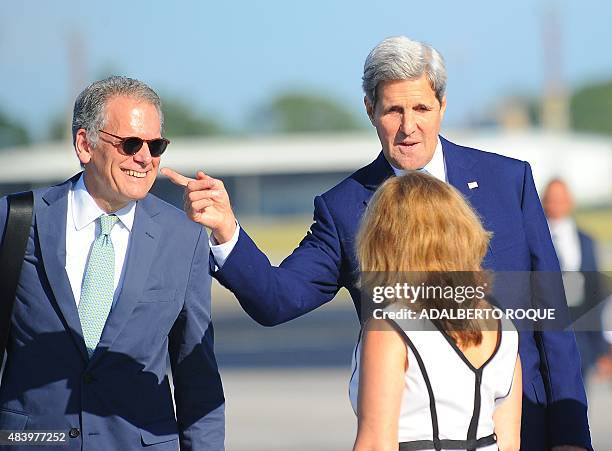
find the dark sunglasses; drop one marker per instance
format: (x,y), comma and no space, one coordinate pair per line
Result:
(132,144)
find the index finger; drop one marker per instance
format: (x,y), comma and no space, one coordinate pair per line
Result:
(175,177)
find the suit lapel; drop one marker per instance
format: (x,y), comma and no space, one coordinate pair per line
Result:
(51,227)
(143,245)
(461,171)
(373,175)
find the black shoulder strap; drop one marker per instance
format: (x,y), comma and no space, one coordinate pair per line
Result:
(20,211)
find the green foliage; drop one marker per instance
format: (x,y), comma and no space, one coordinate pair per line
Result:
(591,108)
(59,128)
(293,112)
(181,120)
(12,133)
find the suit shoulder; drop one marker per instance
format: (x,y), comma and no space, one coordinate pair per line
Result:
(492,158)
(38,193)
(351,188)
(343,198)
(340,190)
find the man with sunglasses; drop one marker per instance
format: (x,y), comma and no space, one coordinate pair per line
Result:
(114,284)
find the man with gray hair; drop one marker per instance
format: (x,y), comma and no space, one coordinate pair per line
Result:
(404,83)
(114,284)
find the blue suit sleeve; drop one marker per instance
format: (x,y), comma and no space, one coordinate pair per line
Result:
(3,217)
(198,392)
(306,279)
(567,404)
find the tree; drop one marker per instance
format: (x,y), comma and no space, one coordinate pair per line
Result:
(59,128)
(12,133)
(591,108)
(181,120)
(292,112)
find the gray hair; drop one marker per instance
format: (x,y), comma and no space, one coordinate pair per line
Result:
(90,105)
(400,58)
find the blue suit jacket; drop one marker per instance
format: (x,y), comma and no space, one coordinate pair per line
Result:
(120,398)
(507,201)
(591,343)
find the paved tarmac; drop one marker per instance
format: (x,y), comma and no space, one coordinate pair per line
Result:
(287,386)
(308,410)
(288,410)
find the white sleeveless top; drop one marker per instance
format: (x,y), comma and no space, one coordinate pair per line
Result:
(464,397)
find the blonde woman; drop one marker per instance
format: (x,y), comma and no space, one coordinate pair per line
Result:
(453,386)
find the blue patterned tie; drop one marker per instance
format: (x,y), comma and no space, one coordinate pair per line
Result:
(98,285)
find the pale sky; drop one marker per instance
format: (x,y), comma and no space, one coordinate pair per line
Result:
(227,58)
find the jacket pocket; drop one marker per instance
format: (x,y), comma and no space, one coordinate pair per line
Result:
(163,295)
(11,420)
(159,432)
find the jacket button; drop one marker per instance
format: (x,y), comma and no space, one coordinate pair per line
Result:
(74,433)
(88,378)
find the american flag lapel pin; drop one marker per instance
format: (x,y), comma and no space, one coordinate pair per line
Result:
(472,185)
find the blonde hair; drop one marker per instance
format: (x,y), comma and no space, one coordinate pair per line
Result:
(417,224)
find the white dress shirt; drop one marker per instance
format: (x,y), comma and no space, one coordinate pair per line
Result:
(81,231)
(567,243)
(436,167)
(221,251)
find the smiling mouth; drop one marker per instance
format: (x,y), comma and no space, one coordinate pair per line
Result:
(136,174)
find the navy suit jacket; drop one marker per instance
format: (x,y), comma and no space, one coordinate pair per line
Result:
(591,343)
(120,398)
(588,259)
(507,201)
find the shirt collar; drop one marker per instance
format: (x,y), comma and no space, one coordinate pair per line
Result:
(435,167)
(85,210)
(562,225)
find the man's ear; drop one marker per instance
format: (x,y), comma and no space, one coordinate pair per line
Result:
(82,146)
(442,107)
(369,109)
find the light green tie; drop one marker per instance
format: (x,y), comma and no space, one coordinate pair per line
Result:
(98,286)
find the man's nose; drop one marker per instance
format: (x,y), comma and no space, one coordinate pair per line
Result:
(143,156)
(408,124)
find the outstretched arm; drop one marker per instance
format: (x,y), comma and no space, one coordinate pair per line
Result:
(271,295)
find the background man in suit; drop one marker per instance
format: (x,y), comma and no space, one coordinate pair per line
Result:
(404,83)
(577,258)
(114,282)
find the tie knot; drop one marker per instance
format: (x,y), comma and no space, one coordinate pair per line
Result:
(106,224)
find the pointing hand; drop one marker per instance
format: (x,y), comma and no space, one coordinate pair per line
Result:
(207,203)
